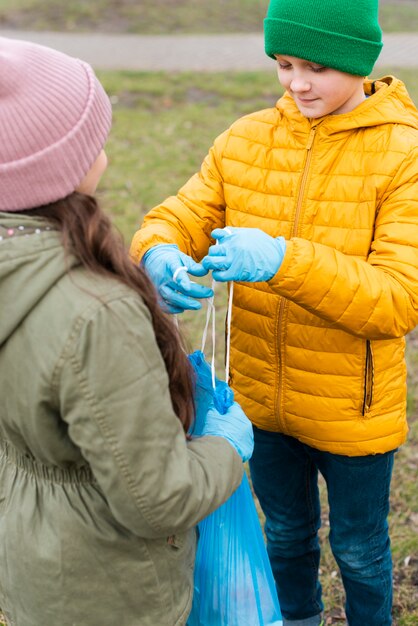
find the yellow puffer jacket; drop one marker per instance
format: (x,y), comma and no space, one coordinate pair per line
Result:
(318,351)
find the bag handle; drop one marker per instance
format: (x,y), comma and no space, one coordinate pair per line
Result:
(211,315)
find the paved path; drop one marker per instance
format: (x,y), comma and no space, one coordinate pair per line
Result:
(192,52)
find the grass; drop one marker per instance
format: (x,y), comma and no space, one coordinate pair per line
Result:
(163,126)
(399,16)
(167,16)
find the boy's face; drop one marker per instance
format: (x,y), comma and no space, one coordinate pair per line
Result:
(319,90)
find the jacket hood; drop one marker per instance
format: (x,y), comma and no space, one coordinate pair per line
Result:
(388,103)
(32,260)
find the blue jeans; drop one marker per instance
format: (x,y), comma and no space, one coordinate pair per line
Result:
(285,479)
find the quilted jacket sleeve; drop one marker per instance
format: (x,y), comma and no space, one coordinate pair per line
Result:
(188,218)
(375,298)
(115,399)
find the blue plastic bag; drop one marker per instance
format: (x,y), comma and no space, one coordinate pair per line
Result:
(222,396)
(233,581)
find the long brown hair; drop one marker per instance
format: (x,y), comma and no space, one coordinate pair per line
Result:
(88,233)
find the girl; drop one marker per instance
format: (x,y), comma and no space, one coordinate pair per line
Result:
(100,488)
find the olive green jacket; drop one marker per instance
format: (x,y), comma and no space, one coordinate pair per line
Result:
(99,490)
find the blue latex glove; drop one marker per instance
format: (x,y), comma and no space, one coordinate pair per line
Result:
(168,269)
(244,254)
(234,426)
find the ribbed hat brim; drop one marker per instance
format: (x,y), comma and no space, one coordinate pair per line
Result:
(336,50)
(55,119)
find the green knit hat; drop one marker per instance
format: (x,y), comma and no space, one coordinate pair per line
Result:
(342,34)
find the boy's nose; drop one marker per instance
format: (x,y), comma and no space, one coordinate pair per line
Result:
(299,83)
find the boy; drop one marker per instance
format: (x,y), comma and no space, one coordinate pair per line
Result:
(314,205)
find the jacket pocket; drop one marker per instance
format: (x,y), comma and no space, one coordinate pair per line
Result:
(368,379)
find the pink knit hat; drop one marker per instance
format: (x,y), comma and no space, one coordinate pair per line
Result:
(54,120)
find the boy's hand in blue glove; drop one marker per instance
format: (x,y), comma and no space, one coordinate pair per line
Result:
(244,254)
(233,426)
(168,269)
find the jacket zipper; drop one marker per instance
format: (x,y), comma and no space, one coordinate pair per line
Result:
(368,379)
(293,234)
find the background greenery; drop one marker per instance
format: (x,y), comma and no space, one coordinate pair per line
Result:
(163,126)
(166,16)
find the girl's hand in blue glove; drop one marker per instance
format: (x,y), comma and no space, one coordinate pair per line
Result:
(168,269)
(233,426)
(244,254)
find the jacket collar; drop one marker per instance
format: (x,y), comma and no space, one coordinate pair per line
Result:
(388,103)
